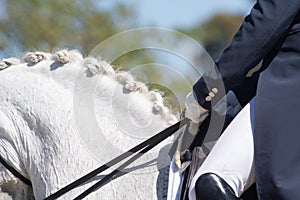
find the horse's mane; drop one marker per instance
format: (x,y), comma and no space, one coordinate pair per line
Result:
(95,66)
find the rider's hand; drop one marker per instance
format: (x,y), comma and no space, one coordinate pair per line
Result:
(184,141)
(193,110)
(197,115)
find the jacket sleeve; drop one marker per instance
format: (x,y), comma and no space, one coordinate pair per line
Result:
(246,90)
(267,24)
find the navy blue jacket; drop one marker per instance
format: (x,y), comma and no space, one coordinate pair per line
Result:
(270,33)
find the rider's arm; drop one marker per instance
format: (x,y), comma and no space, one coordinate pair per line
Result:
(262,30)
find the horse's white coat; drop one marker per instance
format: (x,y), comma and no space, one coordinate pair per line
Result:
(44,119)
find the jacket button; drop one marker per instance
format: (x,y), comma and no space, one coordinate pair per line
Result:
(214,90)
(208,98)
(211,94)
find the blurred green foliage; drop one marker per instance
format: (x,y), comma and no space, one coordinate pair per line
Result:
(47,24)
(216,33)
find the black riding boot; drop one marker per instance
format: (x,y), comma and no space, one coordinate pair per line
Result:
(210,186)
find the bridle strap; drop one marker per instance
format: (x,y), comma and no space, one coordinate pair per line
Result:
(144,147)
(15,172)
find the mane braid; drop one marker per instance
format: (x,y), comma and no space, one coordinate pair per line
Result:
(96,66)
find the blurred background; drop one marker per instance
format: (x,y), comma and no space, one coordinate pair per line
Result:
(47,25)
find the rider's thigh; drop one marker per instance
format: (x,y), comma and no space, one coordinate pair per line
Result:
(232,157)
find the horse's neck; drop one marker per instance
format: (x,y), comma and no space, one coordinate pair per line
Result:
(69,111)
(115,101)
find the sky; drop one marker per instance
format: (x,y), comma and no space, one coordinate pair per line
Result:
(179,13)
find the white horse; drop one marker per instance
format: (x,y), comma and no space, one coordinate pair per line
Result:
(47,132)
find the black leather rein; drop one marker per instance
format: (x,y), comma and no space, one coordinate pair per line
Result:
(15,172)
(141,149)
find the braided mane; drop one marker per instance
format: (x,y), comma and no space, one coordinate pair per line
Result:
(95,66)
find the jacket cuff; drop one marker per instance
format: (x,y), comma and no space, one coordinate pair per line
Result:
(208,90)
(200,91)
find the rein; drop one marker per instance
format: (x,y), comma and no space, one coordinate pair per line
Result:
(15,172)
(140,148)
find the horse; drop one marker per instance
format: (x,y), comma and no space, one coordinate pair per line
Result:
(62,115)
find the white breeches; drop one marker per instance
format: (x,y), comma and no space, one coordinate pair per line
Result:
(232,157)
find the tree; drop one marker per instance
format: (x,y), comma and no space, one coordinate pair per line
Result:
(216,33)
(46,24)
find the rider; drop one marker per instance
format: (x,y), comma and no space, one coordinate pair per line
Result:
(271,33)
